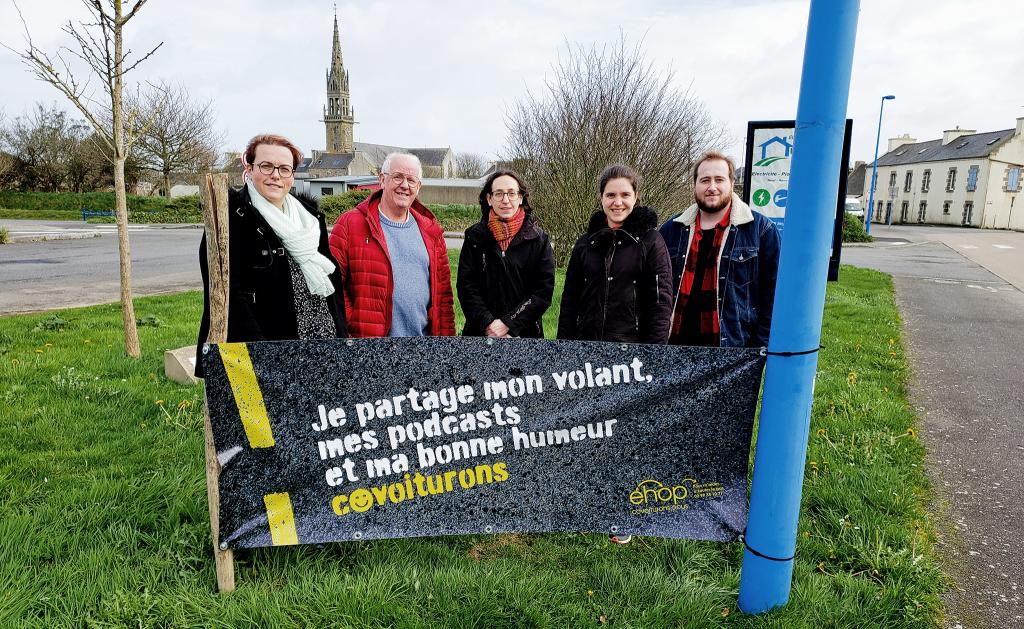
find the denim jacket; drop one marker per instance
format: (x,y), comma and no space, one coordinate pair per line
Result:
(747,266)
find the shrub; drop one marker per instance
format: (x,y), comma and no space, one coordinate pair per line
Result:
(5,236)
(853,229)
(455,216)
(333,206)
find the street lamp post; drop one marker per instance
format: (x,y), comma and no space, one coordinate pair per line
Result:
(874,168)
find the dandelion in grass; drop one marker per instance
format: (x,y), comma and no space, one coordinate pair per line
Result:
(851,378)
(822,432)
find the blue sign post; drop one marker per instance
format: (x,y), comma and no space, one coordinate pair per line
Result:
(799,304)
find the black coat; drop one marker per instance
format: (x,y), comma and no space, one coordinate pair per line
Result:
(515,285)
(618,286)
(261,302)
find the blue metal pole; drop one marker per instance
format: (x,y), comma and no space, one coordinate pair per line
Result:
(799,303)
(875,166)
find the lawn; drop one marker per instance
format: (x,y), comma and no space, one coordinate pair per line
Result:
(103,517)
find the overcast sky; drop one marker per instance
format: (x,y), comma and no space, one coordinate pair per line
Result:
(444,73)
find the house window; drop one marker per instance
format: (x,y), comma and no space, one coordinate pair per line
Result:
(945,207)
(904,211)
(972,178)
(921,211)
(878,214)
(1013,179)
(951,180)
(926,180)
(892,179)
(968,212)
(908,181)
(326,192)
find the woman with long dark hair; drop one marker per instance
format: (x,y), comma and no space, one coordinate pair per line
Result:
(506,266)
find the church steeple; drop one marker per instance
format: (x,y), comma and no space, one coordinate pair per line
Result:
(339,116)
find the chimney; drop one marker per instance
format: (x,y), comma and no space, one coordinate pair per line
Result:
(895,143)
(951,134)
(1020,126)
(857,164)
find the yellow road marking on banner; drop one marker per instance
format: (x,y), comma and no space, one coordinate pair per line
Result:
(281,520)
(248,396)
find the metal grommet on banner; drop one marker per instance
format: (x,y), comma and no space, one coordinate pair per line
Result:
(763,352)
(223,545)
(206,348)
(488,529)
(358,535)
(490,341)
(614,529)
(624,347)
(349,342)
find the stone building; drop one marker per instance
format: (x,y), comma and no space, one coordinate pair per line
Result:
(963,178)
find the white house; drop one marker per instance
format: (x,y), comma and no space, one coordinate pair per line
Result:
(964,178)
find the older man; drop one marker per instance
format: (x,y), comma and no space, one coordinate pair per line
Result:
(393,259)
(725,258)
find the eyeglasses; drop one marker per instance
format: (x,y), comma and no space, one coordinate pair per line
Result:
(398,179)
(268,169)
(511,196)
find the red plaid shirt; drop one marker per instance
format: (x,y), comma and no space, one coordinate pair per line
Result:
(699,326)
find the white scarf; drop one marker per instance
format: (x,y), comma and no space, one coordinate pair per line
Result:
(299,232)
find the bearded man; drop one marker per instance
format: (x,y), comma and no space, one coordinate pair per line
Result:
(725,259)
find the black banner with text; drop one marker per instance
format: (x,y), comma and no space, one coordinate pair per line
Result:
(339,440)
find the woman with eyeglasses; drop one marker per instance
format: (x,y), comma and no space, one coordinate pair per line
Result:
(284,284)
(618,285)
(506,266)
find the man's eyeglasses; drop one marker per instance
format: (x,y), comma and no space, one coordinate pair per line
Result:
(268,169)
(511,196)
(398,179)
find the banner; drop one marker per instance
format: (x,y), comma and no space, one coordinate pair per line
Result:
(337,440)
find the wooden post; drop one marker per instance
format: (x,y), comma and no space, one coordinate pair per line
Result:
(215,216)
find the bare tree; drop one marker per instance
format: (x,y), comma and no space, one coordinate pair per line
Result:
(44,143)
(99,44)
(6,159)
(181,138)
(470,165)
(605,105)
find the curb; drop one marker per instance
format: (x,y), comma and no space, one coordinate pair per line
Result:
(47,237)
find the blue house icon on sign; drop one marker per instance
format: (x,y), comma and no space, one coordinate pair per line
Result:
(766,160)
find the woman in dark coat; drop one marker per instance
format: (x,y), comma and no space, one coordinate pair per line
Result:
(506,266)
(618,286)
(283,282)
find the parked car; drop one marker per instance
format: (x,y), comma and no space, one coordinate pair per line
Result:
(853,206)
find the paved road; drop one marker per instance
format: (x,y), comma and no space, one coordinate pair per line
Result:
(79,272)
(82,270)
(964,327)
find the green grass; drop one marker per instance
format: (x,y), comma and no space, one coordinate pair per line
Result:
(103,518)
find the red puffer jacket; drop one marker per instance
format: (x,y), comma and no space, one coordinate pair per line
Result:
(358,244)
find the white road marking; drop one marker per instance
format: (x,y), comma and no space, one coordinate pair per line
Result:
(967,246)
(1003,246)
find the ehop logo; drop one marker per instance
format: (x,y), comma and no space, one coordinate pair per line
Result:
(652,491)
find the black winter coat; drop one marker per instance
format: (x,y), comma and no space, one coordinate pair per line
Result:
(515,285)
(261,302)
(618,286)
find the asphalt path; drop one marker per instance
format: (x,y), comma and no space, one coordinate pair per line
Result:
(78,264)
(964,328)
(83,270)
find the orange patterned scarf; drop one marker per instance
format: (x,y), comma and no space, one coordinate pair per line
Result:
(505,230)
